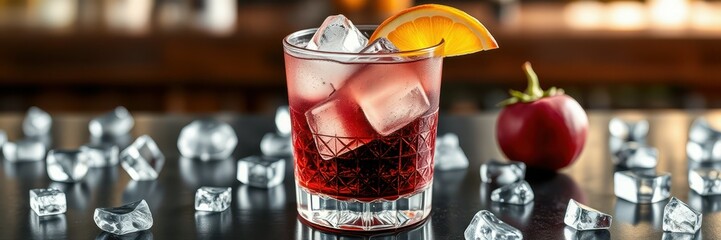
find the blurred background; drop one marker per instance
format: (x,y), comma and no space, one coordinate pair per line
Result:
(198,56)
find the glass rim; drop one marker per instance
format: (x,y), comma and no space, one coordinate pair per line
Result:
(288,46)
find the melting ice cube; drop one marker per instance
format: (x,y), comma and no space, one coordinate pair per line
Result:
(679,217)
(390,98)
(497,172)
(582,217)
(519,193)
(282,121)
(207,139)
(381,45)
(27,149)
(635,155)
(638,187)
(705,181)
(262,172)
(338,127)
(212,199)
(48,201)
(37,123)
(449,154)
(337,34)
(101,155)
(486,226)
(142,159)
(67,165)
(115,123)
(313,81)
(129,218)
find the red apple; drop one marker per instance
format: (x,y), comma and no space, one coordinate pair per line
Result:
(544,129)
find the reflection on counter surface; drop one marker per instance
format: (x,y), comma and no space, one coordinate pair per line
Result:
(271,213)
(424,231)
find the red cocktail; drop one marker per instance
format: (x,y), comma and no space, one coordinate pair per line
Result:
(364,129)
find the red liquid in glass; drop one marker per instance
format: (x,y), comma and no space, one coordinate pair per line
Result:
(384,167)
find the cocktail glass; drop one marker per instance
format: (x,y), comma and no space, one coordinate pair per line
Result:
(363,132)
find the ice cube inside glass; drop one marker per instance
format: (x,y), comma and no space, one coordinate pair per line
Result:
(363,130)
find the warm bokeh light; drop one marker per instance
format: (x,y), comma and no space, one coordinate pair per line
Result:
(584,15)
(131,16)
(627,15)
(55,14)
(219,16)
(668,13)
(706,15)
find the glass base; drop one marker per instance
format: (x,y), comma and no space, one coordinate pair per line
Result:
(354,215)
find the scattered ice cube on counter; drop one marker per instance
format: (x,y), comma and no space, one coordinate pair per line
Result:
(48,201)
(628,131)
(282,121)
(212,199)
(115,123)
(701,131)
(142,159)
(337,34)
(27,149)
(679,217)
(261,171)
(381,45)
(486,226)
(519,193)
(704,142)
(449,154)
(276,145)
(207,139)
(681,236)
(497,172)
(100,155)
(638,187)
(3,138)
(705,181)
(37,123)
(635,155)
(338,127)
(582,217)
(67,165)
(390,100)
(129,218)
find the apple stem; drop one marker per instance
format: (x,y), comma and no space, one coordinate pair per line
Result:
(533,91)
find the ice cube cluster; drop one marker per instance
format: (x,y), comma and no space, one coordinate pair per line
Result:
(511,190)
(358,108)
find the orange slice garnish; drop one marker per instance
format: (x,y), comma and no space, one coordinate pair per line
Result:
(425,25)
